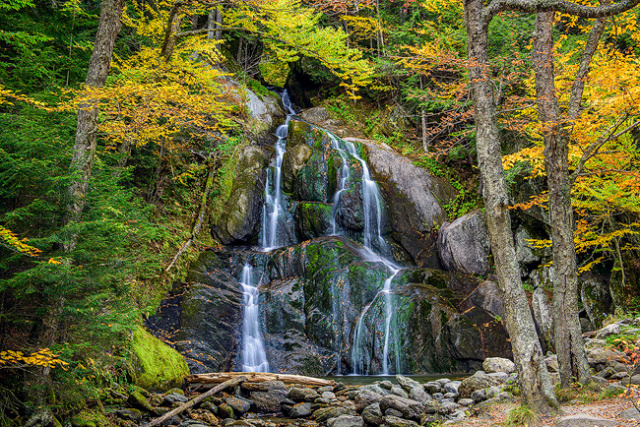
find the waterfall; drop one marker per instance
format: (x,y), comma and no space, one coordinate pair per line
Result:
(254,357)
(372,212)
(273,209)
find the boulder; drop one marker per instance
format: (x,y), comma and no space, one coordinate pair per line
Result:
(240,219)
(414,200)
(392,421)
(315,115)
(407,383)
(240,406)
(464,246)
(300,394)
(410,409)
(498,364)
(264,109)
(271,398)
(478,381)
(300,410)
(322,415)
(366,398)
(294,159)
(596,299)
(372,414)
(157,365)
(543,316)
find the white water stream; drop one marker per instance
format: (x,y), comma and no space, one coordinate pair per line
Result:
(254,357)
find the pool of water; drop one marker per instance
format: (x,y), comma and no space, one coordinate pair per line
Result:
(370,379)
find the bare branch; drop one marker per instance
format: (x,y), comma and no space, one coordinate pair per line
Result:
(535,6)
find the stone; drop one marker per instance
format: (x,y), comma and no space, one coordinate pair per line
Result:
(478,381)
(498,364)
(582,420)
(399,391)
(500,376)
(315,115)
(432,387)
(129,414)
(240,406)
(172,398)
(372,414)
(492,392)
(226,411)
(366,398)
(447,408)
(322,415)
(263,109)
(410,408)
(418,394)
(443,381)
(438,397)
(43,418)
(466,402)
(407,383)
(629,414)
(346,421)
(294,159)
(452,387)
(392,421)
(269,401)
(387,385)
(524,251)
(300,410)
(479,395)
(464,246)
(543,315)
(431,406)
(328,395)
(393,412)
(613,329)
(595,297)
(450,396)
(137,400)
(552,363)
(299,394)
(157,365)
(242,214)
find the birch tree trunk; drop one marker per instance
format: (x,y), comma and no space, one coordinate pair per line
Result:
(84,147)
(569,344)
(535,382)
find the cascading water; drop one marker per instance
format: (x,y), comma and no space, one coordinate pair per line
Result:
(372,212)
(273,209)
(254,357)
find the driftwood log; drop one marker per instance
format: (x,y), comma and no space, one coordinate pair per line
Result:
(256,377)
(227,384)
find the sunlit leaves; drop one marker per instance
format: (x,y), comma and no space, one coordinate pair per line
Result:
(10,240)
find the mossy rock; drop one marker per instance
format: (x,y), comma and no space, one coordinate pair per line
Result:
(159,365)
(88,418)
(313,220)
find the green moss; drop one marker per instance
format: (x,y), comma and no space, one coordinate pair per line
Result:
(89,418)
(160,366)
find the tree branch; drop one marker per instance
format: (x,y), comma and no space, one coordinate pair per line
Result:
(535,6)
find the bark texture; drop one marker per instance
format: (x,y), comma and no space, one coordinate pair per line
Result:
(535,382)
(84,147)
(572,360)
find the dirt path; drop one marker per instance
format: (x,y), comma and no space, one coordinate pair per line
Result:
(607,409)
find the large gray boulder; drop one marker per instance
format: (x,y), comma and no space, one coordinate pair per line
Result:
(498,364)
(464,245)
(478,381)
(410,409)
(414,200)
(240,219)
(264,109)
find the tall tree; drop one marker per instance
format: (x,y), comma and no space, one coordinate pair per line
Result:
(535,382)
(86,138)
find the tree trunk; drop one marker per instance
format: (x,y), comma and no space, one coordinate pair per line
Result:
(172,30)
(572,360)
(84,147)
(535,382)
(257,377)
(219,23)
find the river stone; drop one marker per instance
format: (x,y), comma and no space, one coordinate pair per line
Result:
(241,217)
(137,400)
(414,200)
(582,420)
(392,421)
(498,364)
(315,115)
(410,408)
(372,414)
(452,387)
(466,402)
(432,387)
(346,421)
(398,391)
(478,381)
(447,408)
(239,405)
(407,383)
(322,415)
(418,394)
(387,385)
(172,398)
(226,411)
(393,412)
(299,394)
(129,414)
(269,401)
(300,410)
(463,245)
(375,388)
(366,398)
(479,395)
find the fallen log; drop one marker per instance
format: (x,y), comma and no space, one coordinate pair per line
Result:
(257,377)
(227,384)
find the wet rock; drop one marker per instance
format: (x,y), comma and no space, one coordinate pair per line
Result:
(398,391)
(239,405)
(315,115)
(407,383)
(387,385)
(293,161)
(463,245)
(226,411)
(410,408)
(313,220)
(241,217)
(414,201)
(498,364)
(393,412)
(172,398)
(300,410)
(269,401)
(372,414)
(264,109)
(346,421)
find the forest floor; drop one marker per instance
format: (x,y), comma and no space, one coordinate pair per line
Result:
(604,409)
